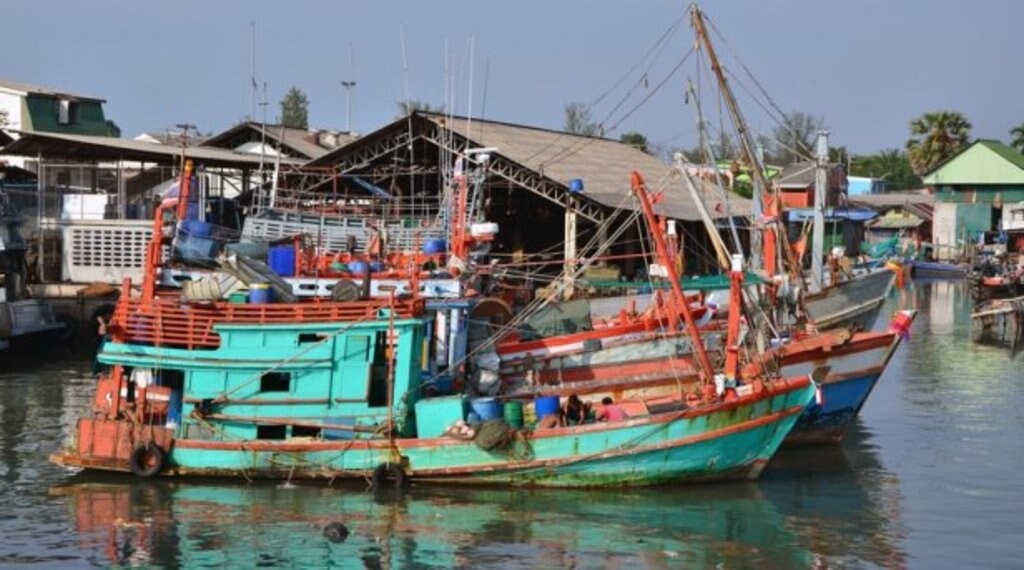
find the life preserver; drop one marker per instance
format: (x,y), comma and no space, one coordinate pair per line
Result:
(147,460)
(389,473)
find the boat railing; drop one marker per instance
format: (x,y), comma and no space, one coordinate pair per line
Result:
(171,323)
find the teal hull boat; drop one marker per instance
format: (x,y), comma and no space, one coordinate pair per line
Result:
(225,397)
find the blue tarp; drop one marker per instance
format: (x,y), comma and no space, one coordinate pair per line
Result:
(852,214)
(375,190)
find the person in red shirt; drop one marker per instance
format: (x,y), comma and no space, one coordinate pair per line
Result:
(610,412)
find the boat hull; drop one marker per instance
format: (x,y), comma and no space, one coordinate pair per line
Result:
(853,303)
(725,441)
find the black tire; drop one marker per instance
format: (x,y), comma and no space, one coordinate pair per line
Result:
(390,475)
(147,460)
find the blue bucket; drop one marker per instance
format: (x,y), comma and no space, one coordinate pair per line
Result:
(282,260)
(546,406)
(260,294)
(486,408)
(434,246)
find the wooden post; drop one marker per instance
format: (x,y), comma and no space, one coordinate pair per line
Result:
(570,250)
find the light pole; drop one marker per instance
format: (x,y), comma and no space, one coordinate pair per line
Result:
(349,86)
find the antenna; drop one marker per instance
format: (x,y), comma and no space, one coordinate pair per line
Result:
(252,68)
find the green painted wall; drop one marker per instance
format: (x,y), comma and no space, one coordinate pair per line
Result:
(42,113)
(980,194)
(973,218)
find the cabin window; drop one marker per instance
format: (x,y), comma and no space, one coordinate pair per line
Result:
(378,390)
(271,432)
(305,431)
(276,382)
(305,338)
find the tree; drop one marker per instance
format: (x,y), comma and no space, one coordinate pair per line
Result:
(409,107)
(635,140)
(934,137)
(1017,141)
(891,165)
(295,109)
(794,138)
(578,121)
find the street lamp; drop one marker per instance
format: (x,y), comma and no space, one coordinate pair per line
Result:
(349,86)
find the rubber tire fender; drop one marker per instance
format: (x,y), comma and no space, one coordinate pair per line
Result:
(390,473)
(143,468)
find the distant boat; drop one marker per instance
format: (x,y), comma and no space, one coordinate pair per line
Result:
(938,270)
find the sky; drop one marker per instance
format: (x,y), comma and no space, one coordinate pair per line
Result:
(866,67)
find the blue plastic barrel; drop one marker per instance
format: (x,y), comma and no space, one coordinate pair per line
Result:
(281,259)
(434,246)
(196,228)
(260,293)
(486,408)
(357,267)
(546,406)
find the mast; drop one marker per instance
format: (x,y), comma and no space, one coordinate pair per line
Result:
(746,141)
(820,192)
(673,278)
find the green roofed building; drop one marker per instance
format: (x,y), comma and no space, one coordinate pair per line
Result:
(979,194)
(42,109)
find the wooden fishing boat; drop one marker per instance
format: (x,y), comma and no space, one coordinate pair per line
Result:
(999,322)
(938,270)
(853,302)
(333,390)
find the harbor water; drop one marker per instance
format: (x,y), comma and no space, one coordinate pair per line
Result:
(929,478)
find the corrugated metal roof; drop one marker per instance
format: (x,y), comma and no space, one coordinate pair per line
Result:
(604,165)
(89,148)
(796,175)
(301,141)
(40,90)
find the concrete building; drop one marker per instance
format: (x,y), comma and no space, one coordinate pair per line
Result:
(979,198)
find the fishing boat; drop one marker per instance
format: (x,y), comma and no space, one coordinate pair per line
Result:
(24,322)
(938,270)
(999,322)
(332,389)
(853,302)
(644,355)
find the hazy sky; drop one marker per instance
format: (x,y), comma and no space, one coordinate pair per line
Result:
(866,66)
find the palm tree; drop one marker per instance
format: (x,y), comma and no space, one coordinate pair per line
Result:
(1018,138)
(936,136)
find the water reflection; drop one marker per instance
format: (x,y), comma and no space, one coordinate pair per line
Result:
(844,503)
(803,514)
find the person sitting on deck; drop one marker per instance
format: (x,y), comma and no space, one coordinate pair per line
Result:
(575,411)
(611,412)
(551,421)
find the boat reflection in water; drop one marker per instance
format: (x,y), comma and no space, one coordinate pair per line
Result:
(841,500)
(834,515)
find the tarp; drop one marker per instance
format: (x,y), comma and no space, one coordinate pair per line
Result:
(852,214)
